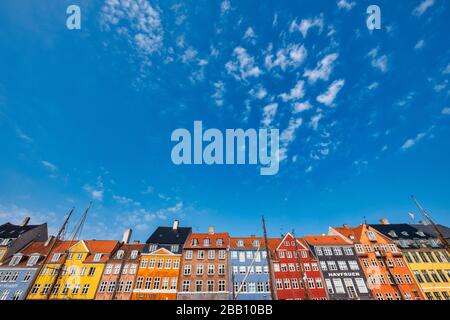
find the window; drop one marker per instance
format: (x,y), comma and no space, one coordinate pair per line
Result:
(35,288)
(281,254)
(134,254)
(338,285)
(14,277)
(4,295)
(17,295)
(426,276)
(125,269)
(160,263)
(97,257)
(258,269)
(200,269)
(323,265)
(168,264)
(133,268)
(65,289)
(348,251)
(194,242)
(206,242)
(221,254)
(442,275)
(219,242)
(187,270)
(56,257)
(361,285)
(319,283)
(188,254)
(327,251)
(102,287)
(156,283)
(392,247)
(174,248)
(276,267)
(242,269)
(234,254)
(408,279)
(260,286)
(117,269)
(359,248)
(279,284)
(342,265)
(242,256)
(148,283)
(91,271)
(292,267)
(165,283)
(319,251)
(240,243)
(329,286)
(294,283)
(119,254)
(255,243)
(337,251)
(85,289)
(311,284)
(332,265)
(210,285)
(199,286)
(144,263)
(435,277)
(211,254)
(221,269)
(15,259)
(173,284)
(112,286)
(283,267)
(185,286)
(140,281)
(371,236)
(210,269)
(287,284)
(128,286)
(152,247)
(27,277)
(75,290)
(353,265)
(200,254)
(152,263)
(221,285)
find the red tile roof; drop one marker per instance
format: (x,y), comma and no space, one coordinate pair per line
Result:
(247,243)
(326,240)
(212,238)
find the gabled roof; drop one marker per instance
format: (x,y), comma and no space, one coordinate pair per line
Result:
(430,230)
(326,241)
(402,231)
(168,235)
(34,248)
(247,243)
(212,238)
(12,231)
(352,233)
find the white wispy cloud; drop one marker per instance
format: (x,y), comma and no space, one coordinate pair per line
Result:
(23,136)
(288,136)
(291,56)
(378,61)
(243,66)
(327,98)
(259,92)
(96,191)
(413,141)
(219,90)
(49,166)
(422,7)
(446,111)
(225,6)
(446,70)
(297,92)
(323,69)
(137,21)
(306,24)
(250,35)
(314,123)
(125,200)
(302,106)
(373,86)
(420,44)
(269,113)
(345,4)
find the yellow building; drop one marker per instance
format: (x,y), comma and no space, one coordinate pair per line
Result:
(425,256)
(79,267)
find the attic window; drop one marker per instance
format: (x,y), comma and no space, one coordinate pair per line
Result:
(5,242)
(119,254)
(15,260)
(97,257)
(352,237)
(134,254)
(392,234)
(33,260)
(371,236)
(219,242)
(256,243)
(420,233)
(405,233)
(240,243)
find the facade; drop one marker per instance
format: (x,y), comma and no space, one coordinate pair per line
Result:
(384,266)
(248,269)
(160,264)
(73,270)
(425,256)
(204,274)
(342,273)
(119,275)
(13,237)
(18,272)
(296,272)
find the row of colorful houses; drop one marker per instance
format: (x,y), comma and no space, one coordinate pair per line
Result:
(367,262)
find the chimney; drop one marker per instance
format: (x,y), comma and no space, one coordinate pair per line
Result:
(211,230)
(136,242)
(25,222)
(175,224)
(384,221)
(345,226)
(424,223)
(49,240)
(127,236)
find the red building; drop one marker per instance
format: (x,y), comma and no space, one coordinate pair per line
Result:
(293,268)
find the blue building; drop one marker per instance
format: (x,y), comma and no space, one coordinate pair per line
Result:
(249,272)
(18,272)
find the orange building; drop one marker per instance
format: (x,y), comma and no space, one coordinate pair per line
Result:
(386,271)
(157,277)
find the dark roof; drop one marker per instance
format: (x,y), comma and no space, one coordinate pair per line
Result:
(402,231)
(12,231)
(430,230)
(168,235)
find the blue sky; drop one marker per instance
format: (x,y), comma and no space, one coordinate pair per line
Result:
(87,114)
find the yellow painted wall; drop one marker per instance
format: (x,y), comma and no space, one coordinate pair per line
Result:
(75,262)
(430,287)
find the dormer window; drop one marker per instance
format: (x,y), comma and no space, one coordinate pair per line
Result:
(371,236)
(15,259)
(256,243)
(5,242)
(195,242)
(97,257)
(392,234)
(119,254)
(134,254)
(152,247)
(219,242)
(33,260)
(420,233)
(56,257)
(174,248)
(206,242)
(405,233)
(240,243)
